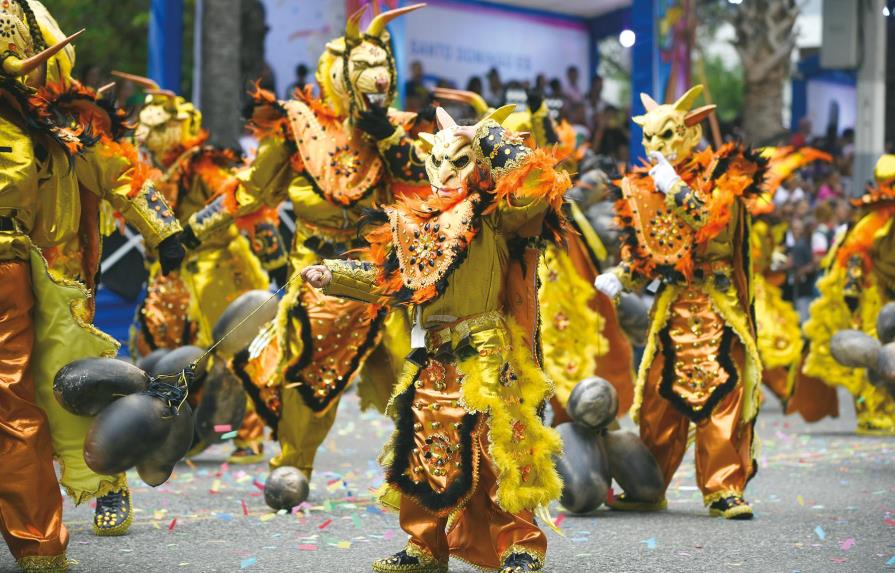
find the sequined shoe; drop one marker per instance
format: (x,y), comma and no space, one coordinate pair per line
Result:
(731,507)
(520,563)
(114,514)
(44,564)
(622,503)
(410,560)
(247,455)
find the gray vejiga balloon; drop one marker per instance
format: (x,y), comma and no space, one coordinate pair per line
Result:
(854,349)
(222,404)
(258,302)
(885,323)
(85,387)
(633,466)
(157,467)
(181,359)
(593,403)
(583,467)
(633,317)
(149,361)
(125,432)
(285,488)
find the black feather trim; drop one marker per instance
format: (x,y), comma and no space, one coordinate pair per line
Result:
(294,371)
(422,492)
(724,360)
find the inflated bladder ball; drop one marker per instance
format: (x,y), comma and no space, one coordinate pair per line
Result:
(85,387)
(885,365)
(157,467)
(222,405)
(593,403)
(149,361)
(583,467)
(633,317)
(126,432)
(854,349)
(180,359)
(885,323)
(286,487)
(633,466)
(235,334)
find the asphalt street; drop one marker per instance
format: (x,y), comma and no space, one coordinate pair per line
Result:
(824,501)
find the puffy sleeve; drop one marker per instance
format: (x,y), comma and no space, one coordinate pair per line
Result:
(113,172)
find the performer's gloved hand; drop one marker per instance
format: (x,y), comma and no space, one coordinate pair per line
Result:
(535,99)
(280,275)
(188,238)
(609,284)
(426,114)
(318,276)
(374,122)
(662,172)
(171,254)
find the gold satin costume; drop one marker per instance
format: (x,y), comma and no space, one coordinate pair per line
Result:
(331,174)
(859,281)
(182,308)
(470,459)
(701,364)
(42,321)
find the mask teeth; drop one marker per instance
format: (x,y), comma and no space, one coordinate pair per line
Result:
(376,99)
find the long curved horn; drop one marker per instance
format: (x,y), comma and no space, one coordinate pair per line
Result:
(648,102)
(444,119)
(473,99)
(377,26)
(161,92)
(105,88)
(686,101)
(502,113)
(352,26)
(139,80)
(698,114)
(16,67)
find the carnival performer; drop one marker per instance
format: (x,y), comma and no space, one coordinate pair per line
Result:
(334,157)
(469,444)
(55,170)
(687,226)
(859,281)
(99,169)
(182,308)
(580,331)
(780,342)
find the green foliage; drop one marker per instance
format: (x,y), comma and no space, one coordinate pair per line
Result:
(117,33)
(726,86)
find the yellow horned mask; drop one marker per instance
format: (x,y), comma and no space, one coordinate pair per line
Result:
(166,120)
(357,70)
(35,49)
(672,129)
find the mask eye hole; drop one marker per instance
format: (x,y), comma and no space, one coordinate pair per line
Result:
(667,134)
(436,161)
(461,162)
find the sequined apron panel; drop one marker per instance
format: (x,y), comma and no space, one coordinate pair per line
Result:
(438,470)
(697,339)
(336,334)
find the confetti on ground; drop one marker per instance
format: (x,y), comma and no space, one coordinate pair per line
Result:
(325,524)
(245,508)
(821,534)
(172,524)
(222,428)
(650,543)
(891,562)
(847,544)
(307,547)
(229,435)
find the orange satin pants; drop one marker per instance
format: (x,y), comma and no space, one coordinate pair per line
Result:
(482,533)
(30,501)
(723,441)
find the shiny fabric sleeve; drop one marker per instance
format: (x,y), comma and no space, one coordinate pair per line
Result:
(18,179)
(352,279)
(116,177)
(264,183)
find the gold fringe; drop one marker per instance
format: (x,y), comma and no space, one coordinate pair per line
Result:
(718,495)
(44,563)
